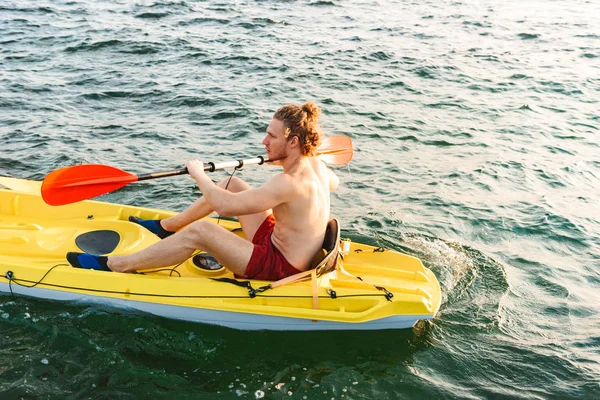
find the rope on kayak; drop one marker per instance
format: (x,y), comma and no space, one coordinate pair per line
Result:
(10,276)
(376,250)
(252,292)
(246,284)
(171,270)
(235,169)
(388,295)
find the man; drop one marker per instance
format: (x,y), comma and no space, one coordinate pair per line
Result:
(284,220)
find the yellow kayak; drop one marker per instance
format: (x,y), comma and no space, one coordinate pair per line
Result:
(369,288)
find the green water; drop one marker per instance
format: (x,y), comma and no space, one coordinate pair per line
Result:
(475,126)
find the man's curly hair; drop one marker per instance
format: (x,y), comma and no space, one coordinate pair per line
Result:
(302,121)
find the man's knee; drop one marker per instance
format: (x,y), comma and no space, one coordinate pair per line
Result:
(198,231)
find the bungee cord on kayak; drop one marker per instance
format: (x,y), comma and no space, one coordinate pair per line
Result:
(12,279)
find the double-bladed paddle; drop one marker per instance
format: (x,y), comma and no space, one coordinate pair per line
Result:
(82,182)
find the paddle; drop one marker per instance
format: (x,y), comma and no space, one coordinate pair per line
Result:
(82,182)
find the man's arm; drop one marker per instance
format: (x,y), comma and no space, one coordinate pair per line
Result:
(276,191)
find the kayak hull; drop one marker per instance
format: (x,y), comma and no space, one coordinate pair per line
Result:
(371,289)
(240,321)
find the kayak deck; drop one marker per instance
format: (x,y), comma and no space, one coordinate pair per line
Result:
(35,237)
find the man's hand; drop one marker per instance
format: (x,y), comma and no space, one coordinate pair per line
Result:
(195,169)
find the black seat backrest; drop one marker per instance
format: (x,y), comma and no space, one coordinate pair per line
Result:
(331,247)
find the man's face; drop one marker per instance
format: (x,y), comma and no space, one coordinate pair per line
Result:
(275,141)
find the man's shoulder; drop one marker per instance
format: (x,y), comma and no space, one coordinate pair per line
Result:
(318,164)
(281,181)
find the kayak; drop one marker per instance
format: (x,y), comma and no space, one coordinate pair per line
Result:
(366,288)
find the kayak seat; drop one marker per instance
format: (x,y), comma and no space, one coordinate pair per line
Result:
(323,262)
(327,259)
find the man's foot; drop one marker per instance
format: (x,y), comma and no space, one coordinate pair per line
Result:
(88,261)
(153,225)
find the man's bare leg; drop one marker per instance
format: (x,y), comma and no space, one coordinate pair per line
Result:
(229,249)
(200,209)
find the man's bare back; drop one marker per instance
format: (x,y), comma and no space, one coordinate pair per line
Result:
(301,222)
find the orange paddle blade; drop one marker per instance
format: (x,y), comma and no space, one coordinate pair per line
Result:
(81,182)
(336,150)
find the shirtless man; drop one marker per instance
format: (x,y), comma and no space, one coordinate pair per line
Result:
(286,218)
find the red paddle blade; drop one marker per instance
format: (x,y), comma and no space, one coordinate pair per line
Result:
(336,150)
(81,182)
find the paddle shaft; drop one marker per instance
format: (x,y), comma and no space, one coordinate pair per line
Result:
(208,167)
(81,182)
(211,166)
